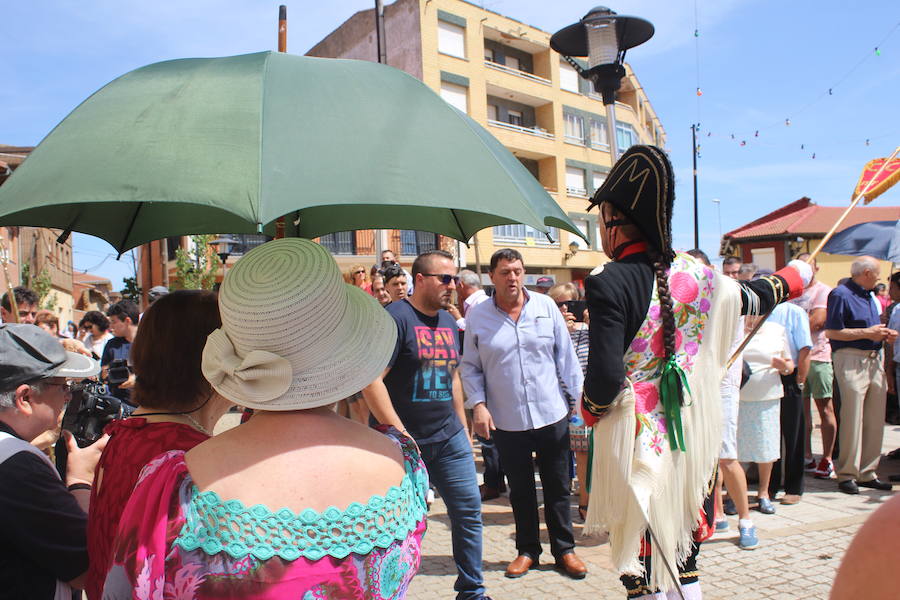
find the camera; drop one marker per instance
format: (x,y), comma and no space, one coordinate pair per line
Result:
(118,372)
(92,407)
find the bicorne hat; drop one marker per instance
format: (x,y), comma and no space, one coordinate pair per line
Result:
(641,186)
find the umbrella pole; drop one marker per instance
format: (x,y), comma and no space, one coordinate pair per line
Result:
(381,240)
(282,47)
(815,252)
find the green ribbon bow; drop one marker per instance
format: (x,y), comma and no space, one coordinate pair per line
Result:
(671,394)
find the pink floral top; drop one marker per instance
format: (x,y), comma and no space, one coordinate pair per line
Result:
(175,542)
(691,288)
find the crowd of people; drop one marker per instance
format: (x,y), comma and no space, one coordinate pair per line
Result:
(365,392)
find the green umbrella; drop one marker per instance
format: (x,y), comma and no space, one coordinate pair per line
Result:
(217,145)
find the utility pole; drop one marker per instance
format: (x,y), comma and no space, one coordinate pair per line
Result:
(696,215)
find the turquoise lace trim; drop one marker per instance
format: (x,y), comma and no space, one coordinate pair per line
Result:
(214,526)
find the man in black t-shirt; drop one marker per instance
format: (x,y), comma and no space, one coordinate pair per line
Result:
(123,323)
(421,395)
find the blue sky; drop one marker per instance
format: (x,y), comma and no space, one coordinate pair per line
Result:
(759,63)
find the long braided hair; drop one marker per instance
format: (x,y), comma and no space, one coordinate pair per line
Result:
(666,309)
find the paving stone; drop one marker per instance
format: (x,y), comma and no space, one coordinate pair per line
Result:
(801,547)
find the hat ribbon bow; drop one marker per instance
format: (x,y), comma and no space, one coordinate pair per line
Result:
(259,376)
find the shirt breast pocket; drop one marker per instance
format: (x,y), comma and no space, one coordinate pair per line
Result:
(544,327)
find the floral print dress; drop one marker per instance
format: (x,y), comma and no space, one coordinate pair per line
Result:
(177,543)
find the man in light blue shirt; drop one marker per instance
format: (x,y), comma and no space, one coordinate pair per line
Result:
(793,426)
(517,354)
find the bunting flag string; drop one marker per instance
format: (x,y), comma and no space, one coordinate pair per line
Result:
(744,138)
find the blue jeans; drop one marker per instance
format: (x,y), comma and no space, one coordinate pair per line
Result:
(451,469)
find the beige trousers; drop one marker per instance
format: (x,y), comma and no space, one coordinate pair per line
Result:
(860,378)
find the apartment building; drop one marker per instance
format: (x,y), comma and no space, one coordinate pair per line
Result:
(503,73)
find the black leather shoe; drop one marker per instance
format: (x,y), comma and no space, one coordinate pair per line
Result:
(848,487)
(876,484)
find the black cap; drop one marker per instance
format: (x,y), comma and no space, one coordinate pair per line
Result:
(546,282)
(29,354)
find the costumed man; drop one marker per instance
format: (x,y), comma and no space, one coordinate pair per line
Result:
(656,411)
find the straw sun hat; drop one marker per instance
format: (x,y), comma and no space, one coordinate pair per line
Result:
(294,335)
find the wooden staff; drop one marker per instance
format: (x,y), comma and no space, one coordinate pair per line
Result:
(282,47)
(815,252)
(11,293)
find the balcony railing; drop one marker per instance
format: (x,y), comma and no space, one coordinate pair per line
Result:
(572,139)
(529,76)
(536,131)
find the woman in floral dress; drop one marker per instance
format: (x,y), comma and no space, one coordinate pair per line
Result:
(297,502)
(661,326)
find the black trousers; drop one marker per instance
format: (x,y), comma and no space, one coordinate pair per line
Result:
(793,436)
(551,445)
(493,470)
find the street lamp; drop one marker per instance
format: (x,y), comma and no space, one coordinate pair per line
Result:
(573,250)
(223,246)
(603,36)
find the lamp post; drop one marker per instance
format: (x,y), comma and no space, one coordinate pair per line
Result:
(223,246)
(603,36)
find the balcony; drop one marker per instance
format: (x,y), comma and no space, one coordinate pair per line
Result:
(524,75)
(535,131)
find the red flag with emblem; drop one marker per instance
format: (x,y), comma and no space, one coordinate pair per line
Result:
(872,183)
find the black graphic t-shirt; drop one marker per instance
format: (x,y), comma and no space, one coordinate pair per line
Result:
(420,381)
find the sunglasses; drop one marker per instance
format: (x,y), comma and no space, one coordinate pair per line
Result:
(358,272)
(445,278)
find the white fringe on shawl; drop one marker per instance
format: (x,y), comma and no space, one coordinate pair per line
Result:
(669,494)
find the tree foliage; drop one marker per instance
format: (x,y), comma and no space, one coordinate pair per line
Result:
(132,291)
(41,284)
(196,268)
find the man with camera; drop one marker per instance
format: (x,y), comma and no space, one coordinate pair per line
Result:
(123,323)
(44,553)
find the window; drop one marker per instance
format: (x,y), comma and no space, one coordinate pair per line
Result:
(513,63)
(414,243)
(455,95)
(597,180)
(625,137)
(492,112)
(451,39)
(764,258)
(575,185)
(525,234)
(598,134)
(584,227)
(245,242)
(341,242)
(568,77)
(489,54)
(514,117)
(574,129)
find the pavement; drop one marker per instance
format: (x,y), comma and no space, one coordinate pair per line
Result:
(800,549)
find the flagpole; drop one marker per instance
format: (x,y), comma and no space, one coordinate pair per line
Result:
(815,252)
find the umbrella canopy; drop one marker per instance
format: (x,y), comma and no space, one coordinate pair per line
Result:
(879,239)
(230,144)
